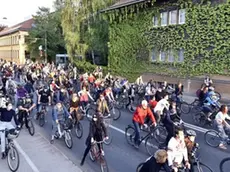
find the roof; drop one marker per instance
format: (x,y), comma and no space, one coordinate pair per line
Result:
(23,26)
(122,3)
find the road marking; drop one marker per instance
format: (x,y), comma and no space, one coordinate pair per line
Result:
(27,158)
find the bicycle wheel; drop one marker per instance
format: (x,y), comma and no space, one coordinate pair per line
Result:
(109,141)
(150,143)
(31,127)
(89,113)
(78,128)
(42,119)
(199,119)
(185,108)
(160,134)
(92,154)
(218,95)
(13,159)
(212,138)
(116,113)
(68,139)
(139,167)
(104,165)
(130,134)
(225,165)
(202,168)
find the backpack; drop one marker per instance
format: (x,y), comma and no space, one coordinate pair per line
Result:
(198,93)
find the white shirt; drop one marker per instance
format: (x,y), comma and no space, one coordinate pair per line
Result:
(177,151)
(220,117)
(163,103)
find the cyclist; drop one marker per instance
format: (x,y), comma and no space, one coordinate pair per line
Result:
(84,98)
(177,151)
(44,98)
(97,130)
(21,91)
(102,106)
(156,162)
(161,105)
(74,105)
(190,144)
(25,105)
(10,84)
(108,93)
(59,116)
(63,95)
(139,116)
(5,123)
(222,126)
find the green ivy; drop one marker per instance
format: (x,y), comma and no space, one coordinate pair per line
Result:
(205,38)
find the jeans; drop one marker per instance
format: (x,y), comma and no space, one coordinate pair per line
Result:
(222,132)
(57,127)
(40,107)
(3,126)
(137,132)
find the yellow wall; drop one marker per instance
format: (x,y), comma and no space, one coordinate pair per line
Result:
(13,47)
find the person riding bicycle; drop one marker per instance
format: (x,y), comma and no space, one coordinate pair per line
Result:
(177,151)
(97,131)
(108,93)
(156,162)
(191,145)
(161,105)
(5,123)
(21,91)
(59,115)
(10,84)
(44,98)
(171,121)
(102,106)
(74,105)
(139,116)
(63,95)
(25,106)
(222,125)
(84,98)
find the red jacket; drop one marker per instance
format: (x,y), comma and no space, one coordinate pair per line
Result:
(140,115)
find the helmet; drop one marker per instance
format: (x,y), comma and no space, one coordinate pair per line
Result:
(144,103)
(191,133)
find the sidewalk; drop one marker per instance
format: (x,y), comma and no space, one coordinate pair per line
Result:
(38,155)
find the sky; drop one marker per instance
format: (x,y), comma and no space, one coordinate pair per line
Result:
(17,11)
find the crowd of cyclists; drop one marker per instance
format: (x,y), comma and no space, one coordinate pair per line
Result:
(69,93)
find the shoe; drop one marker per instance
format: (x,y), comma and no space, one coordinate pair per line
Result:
(82,163)
(3,155)
(51,141)
(136,146)
(222,146)
(102,153)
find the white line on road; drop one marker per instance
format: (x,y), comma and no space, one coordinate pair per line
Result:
(27,158)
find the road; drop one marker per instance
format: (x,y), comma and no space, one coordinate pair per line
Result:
(120,156)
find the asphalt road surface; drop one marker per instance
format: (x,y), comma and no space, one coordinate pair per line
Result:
(38,155)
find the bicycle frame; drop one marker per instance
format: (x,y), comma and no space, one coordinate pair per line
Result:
(97,154)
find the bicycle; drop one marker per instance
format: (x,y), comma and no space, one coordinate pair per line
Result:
(114,111)
(149,137)
(13,159)
(108,122)
(214,139)
(66,133)
(96,154)
(78,128)
(225,165)
(42,115)
(30,124)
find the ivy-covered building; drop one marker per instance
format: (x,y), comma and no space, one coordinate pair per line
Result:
(173,37)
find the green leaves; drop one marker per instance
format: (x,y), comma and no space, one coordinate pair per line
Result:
(47,28)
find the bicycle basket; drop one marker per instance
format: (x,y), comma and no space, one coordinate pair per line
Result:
(108,122)
(68,124)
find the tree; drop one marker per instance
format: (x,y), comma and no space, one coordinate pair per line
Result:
(47,29)
(82,27)
(2,27)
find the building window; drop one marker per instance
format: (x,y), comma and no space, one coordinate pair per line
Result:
(164,19)
(181,16)
(171,56)
(162,56)
(154,55)
(155,21)
(181,55)
(173,17)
